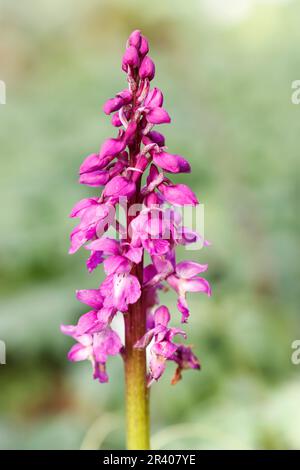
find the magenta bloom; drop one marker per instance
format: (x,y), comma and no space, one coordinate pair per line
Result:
(132,168)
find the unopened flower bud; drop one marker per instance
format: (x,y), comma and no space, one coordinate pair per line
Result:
(147,68)
(131,58)
(144,47)
(135,38)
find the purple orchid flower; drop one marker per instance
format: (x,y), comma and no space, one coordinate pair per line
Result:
(156,230)
(163,348)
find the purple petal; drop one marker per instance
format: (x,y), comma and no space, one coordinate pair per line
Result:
(115,120)
(116,264)
(171,163)
(78,238)
(91,297)
(135,38)
(157,137)
(198,284)
(111,147)
(154,98)
(144,47)
(112,105)
(147,68)
(119,186)
(94,260)
(188,269)
(69,330)
(87,323)
(131,58)
(158,116)
(90,163)
(178,194)
(134,254)
(109,246)
(162,316)
(78,352)
(157,366)
(143,342)
(94,178)
(100,373)
(82,205)
(120,290)
(106,343)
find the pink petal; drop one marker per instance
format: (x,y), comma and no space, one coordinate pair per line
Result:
(111,147)
(109,246)
(178,194)
(91,297)
(158,116)
(82,205)
(119,186)
(144,47)
(78,352)
(106,343)
(134,254)
(130,58)
(147,68)
(135,38)
(162,316)
(94,260)
(154,99)
(87,323)
(94,178)
(120,290)
(69,330)
(143,342)
(188,269)
(157,366)
(198,284)
(78,238)
(171,163)
(116,264)
(156,137)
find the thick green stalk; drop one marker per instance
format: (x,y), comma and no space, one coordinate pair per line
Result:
(137,394)
(136,391)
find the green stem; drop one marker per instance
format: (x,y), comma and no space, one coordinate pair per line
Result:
(137,394)
(136,391)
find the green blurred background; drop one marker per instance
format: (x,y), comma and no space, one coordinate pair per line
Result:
(226,68)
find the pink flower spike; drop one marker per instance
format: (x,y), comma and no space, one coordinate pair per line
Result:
(140,262)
